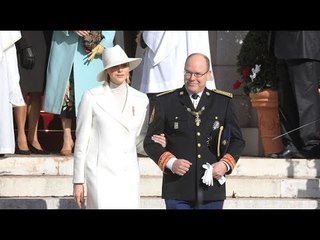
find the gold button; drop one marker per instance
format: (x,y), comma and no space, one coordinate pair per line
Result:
(199,144)
(199,155)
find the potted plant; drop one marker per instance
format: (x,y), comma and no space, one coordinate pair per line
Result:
(257,65)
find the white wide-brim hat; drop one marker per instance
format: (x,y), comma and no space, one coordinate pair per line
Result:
(116,56)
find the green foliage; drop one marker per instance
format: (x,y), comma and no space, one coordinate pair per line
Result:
(255,50)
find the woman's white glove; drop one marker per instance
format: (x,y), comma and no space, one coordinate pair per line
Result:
(207,177)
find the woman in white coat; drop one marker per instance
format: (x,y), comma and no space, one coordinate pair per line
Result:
(111,126)
(10,92)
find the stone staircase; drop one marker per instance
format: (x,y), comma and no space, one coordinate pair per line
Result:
(45,182)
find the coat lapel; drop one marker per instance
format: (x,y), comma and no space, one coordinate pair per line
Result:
(185,99)
(205,99)
(106,102)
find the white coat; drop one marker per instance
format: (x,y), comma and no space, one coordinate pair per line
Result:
(164,58)
(107,142)
(10,92)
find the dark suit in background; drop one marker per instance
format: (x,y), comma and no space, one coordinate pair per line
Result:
(33,78)
(32,49)
(298,69)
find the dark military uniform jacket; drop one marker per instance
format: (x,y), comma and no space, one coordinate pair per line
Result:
(173,113)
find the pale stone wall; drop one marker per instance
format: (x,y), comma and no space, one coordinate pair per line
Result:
(225,46)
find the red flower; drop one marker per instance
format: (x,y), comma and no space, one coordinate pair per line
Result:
(236,85)
(245,75)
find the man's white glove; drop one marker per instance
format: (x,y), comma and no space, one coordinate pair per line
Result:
(207,177)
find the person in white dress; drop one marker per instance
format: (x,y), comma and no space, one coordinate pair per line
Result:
(164,54)
(10,92)
(111,126)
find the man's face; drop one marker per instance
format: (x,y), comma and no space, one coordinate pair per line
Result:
(196,74)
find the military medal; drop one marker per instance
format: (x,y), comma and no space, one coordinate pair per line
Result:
(197,119)
(215,125)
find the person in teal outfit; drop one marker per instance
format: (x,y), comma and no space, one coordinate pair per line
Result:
(71,70)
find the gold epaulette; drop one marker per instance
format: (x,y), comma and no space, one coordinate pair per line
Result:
(223,93)
(165,92)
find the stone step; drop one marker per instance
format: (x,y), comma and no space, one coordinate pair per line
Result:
(244,187)
(158,203)
(64,203)
(40,165)
(246,166)
(237,186)
(36,165)
(51,176)
(59,186)
(291,168)
(271,203)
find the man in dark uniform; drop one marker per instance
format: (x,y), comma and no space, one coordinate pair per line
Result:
(193,120)
(298,68)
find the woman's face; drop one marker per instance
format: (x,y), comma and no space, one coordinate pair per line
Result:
(119,74)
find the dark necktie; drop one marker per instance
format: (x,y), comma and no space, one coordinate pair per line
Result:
(195,96)
(195,99)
